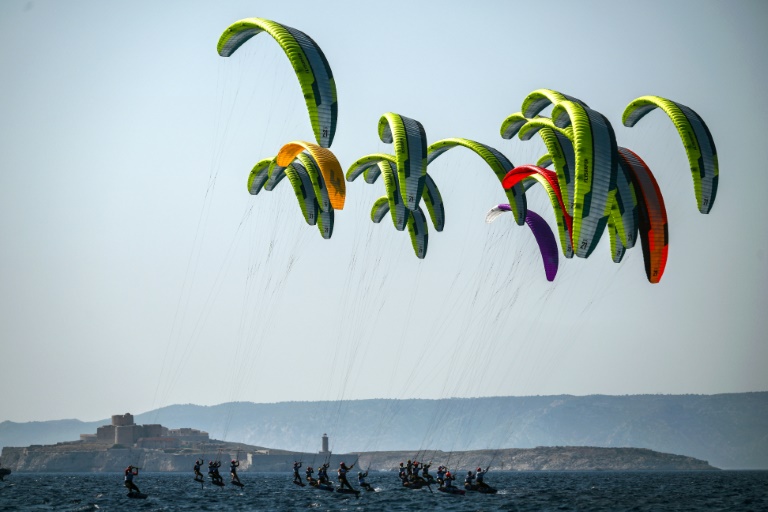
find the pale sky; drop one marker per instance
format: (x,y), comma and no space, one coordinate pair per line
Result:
(135,268)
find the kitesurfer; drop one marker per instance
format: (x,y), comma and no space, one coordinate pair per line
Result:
(409,468)
(441,475)
(213,471)
(402,474)
(361,476)
(425,473)
(415,476)
(310,478)
(296,475)
(131,472)
(448,480)
(322,473)
(233,471)
(479,475)
(342,472)
(468,481)
(198,474)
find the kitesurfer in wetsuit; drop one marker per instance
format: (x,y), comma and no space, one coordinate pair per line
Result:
(296,475)
(479,475)
(415,471)
(409,468)
(402,474)
(310,478)
(233,471)
(213,471)
(425,473)
(131,472)
(448,480)
(361,476)
(415,477)
(198,474)
(322,474)
(342,472)
(469,480)
(441,475)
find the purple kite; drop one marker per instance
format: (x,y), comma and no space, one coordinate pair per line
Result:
(541,231)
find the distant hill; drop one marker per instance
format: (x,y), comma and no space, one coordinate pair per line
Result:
(727,430)
(45,432)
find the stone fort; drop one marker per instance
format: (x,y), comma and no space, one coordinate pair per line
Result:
(124,431)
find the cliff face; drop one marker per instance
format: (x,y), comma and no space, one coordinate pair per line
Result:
(85,458)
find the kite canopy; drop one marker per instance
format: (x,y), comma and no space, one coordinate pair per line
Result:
(309,64)
(541,232)
(652,214)
(698,142)
(595,164)
(410,142)
(329,166)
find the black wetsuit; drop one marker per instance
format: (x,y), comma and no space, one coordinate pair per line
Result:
(362,483)
(129,474)
(296,475)
(322,474)
(342,472)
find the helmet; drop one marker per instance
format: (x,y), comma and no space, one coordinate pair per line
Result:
(469,472)
(359,473)
(130,467)
(342,465)
(448,474)
(233,461)
(479,469)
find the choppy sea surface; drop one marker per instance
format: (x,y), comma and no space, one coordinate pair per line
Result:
(593,491)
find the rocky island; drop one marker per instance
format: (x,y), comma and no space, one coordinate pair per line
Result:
(157,448)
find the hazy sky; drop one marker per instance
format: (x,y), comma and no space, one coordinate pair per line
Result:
(137,272)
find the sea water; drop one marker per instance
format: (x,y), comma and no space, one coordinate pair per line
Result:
(518,491)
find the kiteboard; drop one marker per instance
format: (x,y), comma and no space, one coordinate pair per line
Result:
(299,483)
(237,483)
(348,491)
(137,495)
(452,490)
(217,482)
(482,490)
(324,487)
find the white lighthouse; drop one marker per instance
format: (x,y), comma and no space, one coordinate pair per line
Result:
(325,450)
